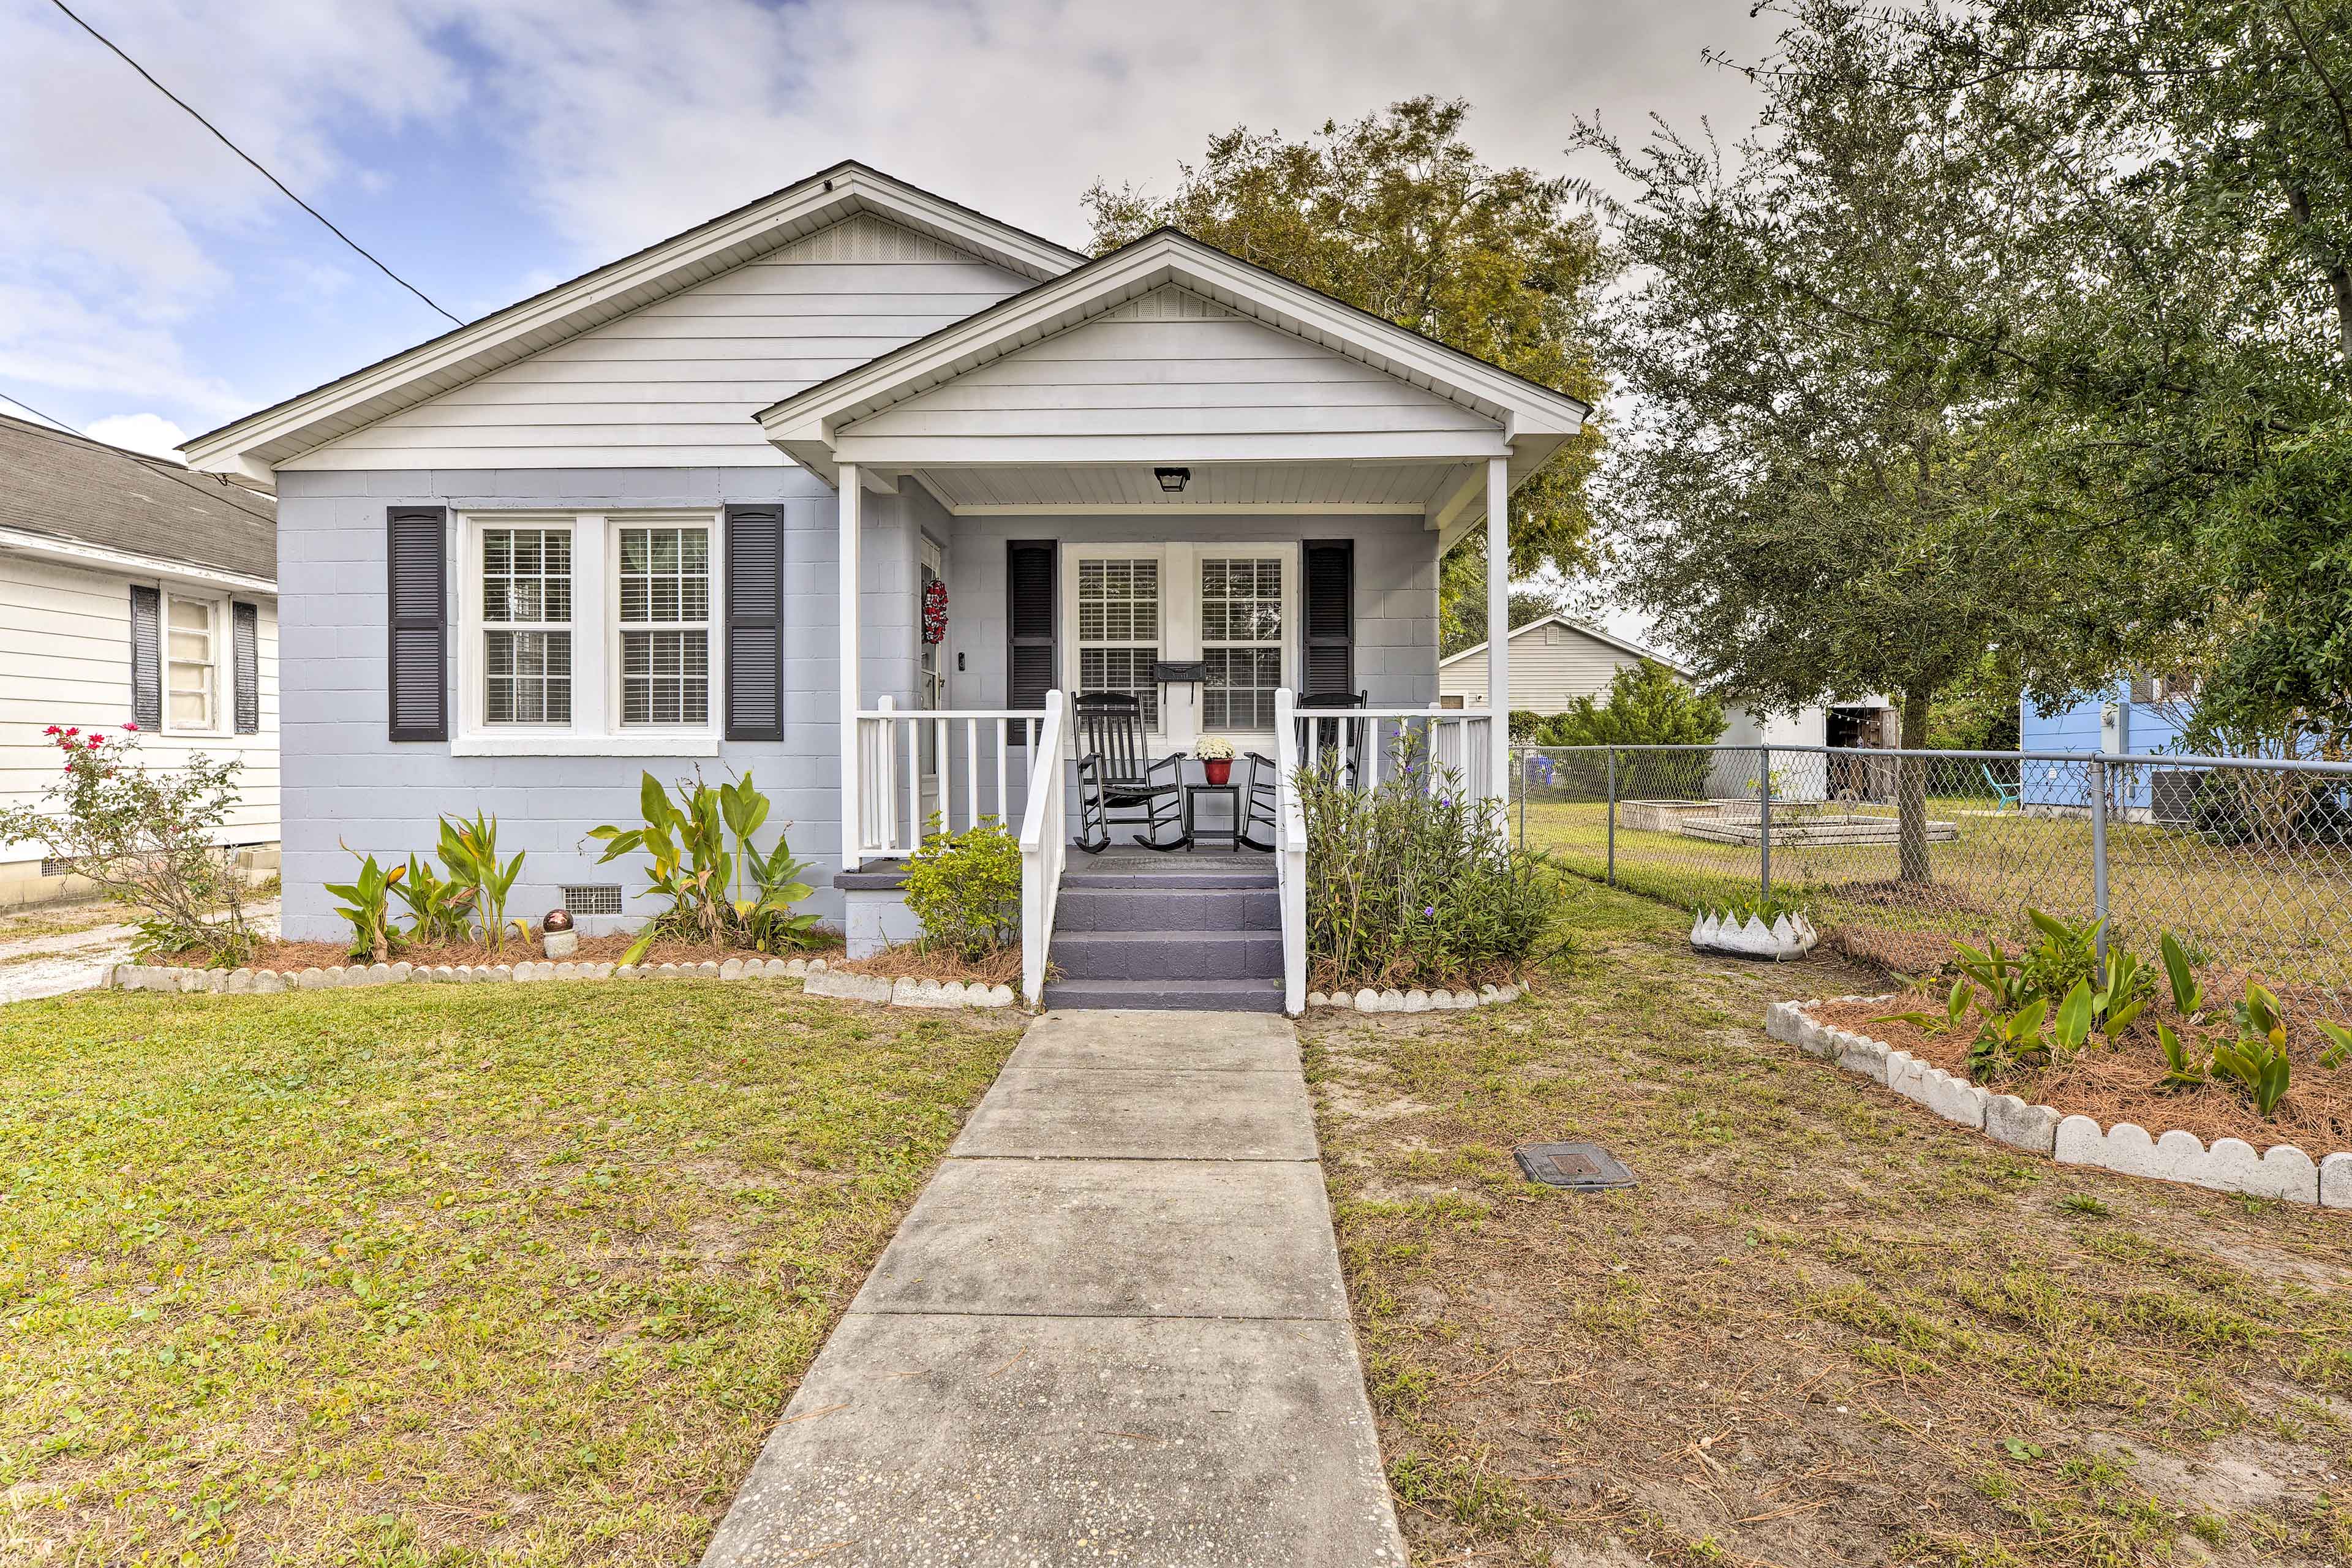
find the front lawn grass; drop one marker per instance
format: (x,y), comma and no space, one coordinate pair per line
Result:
(434,1275)
(1826,1327)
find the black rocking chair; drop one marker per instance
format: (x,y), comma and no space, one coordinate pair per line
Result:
(1344,738)
(1114,775)
(1259,797)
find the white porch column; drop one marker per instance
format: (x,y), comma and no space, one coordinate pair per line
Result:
(852,522)
(1498,626)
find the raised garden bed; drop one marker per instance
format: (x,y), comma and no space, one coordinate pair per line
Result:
(2077,1129)
(1811,830)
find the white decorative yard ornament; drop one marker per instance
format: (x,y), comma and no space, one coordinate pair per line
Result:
(1790,934)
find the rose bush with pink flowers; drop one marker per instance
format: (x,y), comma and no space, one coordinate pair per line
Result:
(149,836)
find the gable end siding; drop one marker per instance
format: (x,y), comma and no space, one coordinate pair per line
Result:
(676,382)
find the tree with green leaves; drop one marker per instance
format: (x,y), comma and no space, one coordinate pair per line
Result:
(1808,488)
(1396,214)
(2182,353)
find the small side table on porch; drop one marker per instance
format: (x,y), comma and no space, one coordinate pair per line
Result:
(1231,835)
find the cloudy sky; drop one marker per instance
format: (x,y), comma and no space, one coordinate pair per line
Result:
(152,286)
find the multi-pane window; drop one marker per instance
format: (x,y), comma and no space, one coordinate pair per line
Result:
(1241,641)
(527,626)
(1118,628)
(665,626)
(191,664)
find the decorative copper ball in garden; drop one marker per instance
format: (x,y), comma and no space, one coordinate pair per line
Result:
(557,919)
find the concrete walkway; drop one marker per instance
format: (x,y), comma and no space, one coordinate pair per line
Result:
(1112,1331)
(62,961)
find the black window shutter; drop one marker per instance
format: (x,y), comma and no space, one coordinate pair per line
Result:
(1330,666)
(147,657)
(1029,666)
(245,633)
(755,623)
(418,664)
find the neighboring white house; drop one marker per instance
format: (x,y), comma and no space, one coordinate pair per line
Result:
(1555,661)
(131,590)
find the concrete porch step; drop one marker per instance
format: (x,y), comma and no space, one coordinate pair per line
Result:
(1181,872)
(1168,996)
(1089,907)
(1169,955)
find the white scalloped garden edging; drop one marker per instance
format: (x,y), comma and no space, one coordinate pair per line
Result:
(2230,1165)
(817,977)
(1416,1001)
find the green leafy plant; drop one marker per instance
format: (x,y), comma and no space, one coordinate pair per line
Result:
(715,894)
(2187,996)
(367,904)
(2008,1041)
(2338,1050)
(966,888)
(2004,982)
(763,912)
(470,848)
(1766,907)
(2185,1067)
(2120,1001)
(148,837)
(2255,1064)
(2070,1025)
(1413,881)
(439,909)
(1956,1009)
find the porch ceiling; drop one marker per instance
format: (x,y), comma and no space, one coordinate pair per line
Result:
(1415,488)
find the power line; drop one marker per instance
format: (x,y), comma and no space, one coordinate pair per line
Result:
(50,417)
(241,153)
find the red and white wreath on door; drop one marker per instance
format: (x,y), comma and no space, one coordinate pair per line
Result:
(935,611)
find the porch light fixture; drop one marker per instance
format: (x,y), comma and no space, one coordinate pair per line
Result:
(1173,480)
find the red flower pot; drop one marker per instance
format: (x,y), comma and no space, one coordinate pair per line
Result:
(1219,770)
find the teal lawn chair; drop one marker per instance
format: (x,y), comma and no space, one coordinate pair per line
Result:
(2006,797)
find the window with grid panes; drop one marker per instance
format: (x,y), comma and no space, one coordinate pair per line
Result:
(1118,629)
(527,626)
(1241,641)
(665,581)
(192,665)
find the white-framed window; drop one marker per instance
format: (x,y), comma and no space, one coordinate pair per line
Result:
(194,630)
(1234,607)
(1118,627)
(525,632)
(1243,625)
(663,573)
(588,634)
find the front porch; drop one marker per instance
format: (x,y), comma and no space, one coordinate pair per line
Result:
(1173,476)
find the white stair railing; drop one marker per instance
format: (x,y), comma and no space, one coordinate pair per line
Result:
(1450,741)
(1290,853)
(1044,847)
(969,746)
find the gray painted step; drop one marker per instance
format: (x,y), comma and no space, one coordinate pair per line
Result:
(1187,872)
(1082,908)
(1169,955)
(1167,995)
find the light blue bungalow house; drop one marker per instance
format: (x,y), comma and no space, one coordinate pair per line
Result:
(857,490)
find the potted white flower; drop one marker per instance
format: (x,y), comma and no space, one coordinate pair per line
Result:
(1216,759)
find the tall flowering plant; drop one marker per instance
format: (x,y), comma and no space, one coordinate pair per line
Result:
(149,836)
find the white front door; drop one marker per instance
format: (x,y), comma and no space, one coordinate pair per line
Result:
(1232,607)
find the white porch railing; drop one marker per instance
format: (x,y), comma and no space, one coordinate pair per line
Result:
(969,747)
(1455,747)
(1289,855)
(1044,847)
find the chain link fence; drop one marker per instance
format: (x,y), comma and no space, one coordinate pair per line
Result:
(1899,854)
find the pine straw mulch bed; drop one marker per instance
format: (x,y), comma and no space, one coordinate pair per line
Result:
(293,956)
(2116,1081)
(915,961)
(1322,977)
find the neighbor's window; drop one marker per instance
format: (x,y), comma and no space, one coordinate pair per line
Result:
(527,626)
(665,626)
(1241,641)
(191,664)
(1118,629)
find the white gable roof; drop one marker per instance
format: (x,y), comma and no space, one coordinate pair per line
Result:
(1479,650)
(254,444)
(1517,417)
